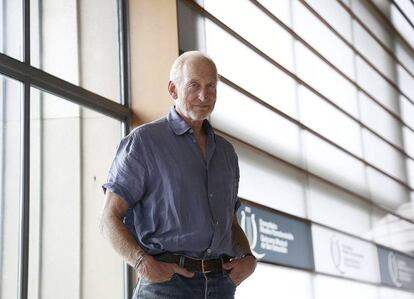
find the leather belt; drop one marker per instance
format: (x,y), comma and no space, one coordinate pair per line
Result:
(191,264)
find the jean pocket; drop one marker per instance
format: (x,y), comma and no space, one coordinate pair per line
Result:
(172,278)
(227,276)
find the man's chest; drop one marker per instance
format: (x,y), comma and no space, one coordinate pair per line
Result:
(192,162)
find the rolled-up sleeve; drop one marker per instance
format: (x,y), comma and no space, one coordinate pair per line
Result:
(127,174)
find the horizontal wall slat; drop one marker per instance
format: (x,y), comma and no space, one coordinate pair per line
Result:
(306,128)
(205,13)
(299,80)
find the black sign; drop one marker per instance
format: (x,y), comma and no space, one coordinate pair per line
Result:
(397,270)
(277,238)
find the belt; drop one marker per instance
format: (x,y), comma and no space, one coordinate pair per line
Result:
(191,264)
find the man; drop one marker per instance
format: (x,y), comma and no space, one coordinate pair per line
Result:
(170,208)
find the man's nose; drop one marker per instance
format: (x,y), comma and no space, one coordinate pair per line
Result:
(202,95)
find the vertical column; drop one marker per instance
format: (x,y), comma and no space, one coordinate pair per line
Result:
(154,47)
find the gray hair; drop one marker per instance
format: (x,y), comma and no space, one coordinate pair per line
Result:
(177,67)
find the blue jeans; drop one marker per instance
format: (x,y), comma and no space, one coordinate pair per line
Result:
(212,285)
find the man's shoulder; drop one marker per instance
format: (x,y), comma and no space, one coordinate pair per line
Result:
(151,129)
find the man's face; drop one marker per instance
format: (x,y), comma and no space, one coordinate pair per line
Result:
(196,91)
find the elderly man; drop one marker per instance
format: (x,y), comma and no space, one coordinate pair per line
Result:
(171,200)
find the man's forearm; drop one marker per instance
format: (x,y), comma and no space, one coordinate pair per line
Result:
(121,238)
(240,242)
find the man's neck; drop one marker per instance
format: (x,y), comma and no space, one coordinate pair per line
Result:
(197,125)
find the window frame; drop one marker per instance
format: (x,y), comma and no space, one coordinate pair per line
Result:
(31,76)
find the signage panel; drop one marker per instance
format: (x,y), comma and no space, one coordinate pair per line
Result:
(276,238)
(339,254)
(397,270)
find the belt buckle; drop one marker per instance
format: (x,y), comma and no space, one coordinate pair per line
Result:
(203,267)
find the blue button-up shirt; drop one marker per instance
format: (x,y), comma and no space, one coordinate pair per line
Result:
(178,201)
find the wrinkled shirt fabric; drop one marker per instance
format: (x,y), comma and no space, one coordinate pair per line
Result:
(178,201)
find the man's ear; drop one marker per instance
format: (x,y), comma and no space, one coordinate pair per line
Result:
(172,90)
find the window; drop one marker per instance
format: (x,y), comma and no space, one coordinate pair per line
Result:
(71,151)
(11,24)
(62,119)
(10,167)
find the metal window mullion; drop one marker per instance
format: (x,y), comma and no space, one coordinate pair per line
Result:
(61,88)
(375,37)
(205,13)
(241,39)
(403,14)
(353,82)
(125,96)
(23,261)
(310,130)
(390,26)
(358,53)
(329,182)
(337,70)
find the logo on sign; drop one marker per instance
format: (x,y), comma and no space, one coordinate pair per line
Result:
(336,254)
(249,226)
(393,269)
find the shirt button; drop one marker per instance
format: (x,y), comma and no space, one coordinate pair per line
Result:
(194,141)
(211,195)
(191,131)
(209,251)
(217,222)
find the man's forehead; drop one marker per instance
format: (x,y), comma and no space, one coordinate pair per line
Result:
(199,63)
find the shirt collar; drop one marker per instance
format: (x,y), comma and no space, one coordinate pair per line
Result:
(180,126)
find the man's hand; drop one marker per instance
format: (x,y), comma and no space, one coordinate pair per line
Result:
(156,271)
(241,268)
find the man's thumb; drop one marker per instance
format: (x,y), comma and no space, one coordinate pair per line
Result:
(228,265)
(183,272)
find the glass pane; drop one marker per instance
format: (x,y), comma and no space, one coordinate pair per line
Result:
(327,205)
(376,86)
(392,231)
(379,120)
(372,20)
(10,149)
(335,15)
(405,55)
(71,151)
(11,25)
(280,9)
(388,293)
(331,287)
(282,187)
(410,170)
(259,132)
(334,165)
(323,39)
(405,82)
(279,44)
(328,82)
(372,50)
(262,79)
(78,42)
(384,156)
(407,112)
(385,191)
(266,282)
(329,121)
(402,25)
